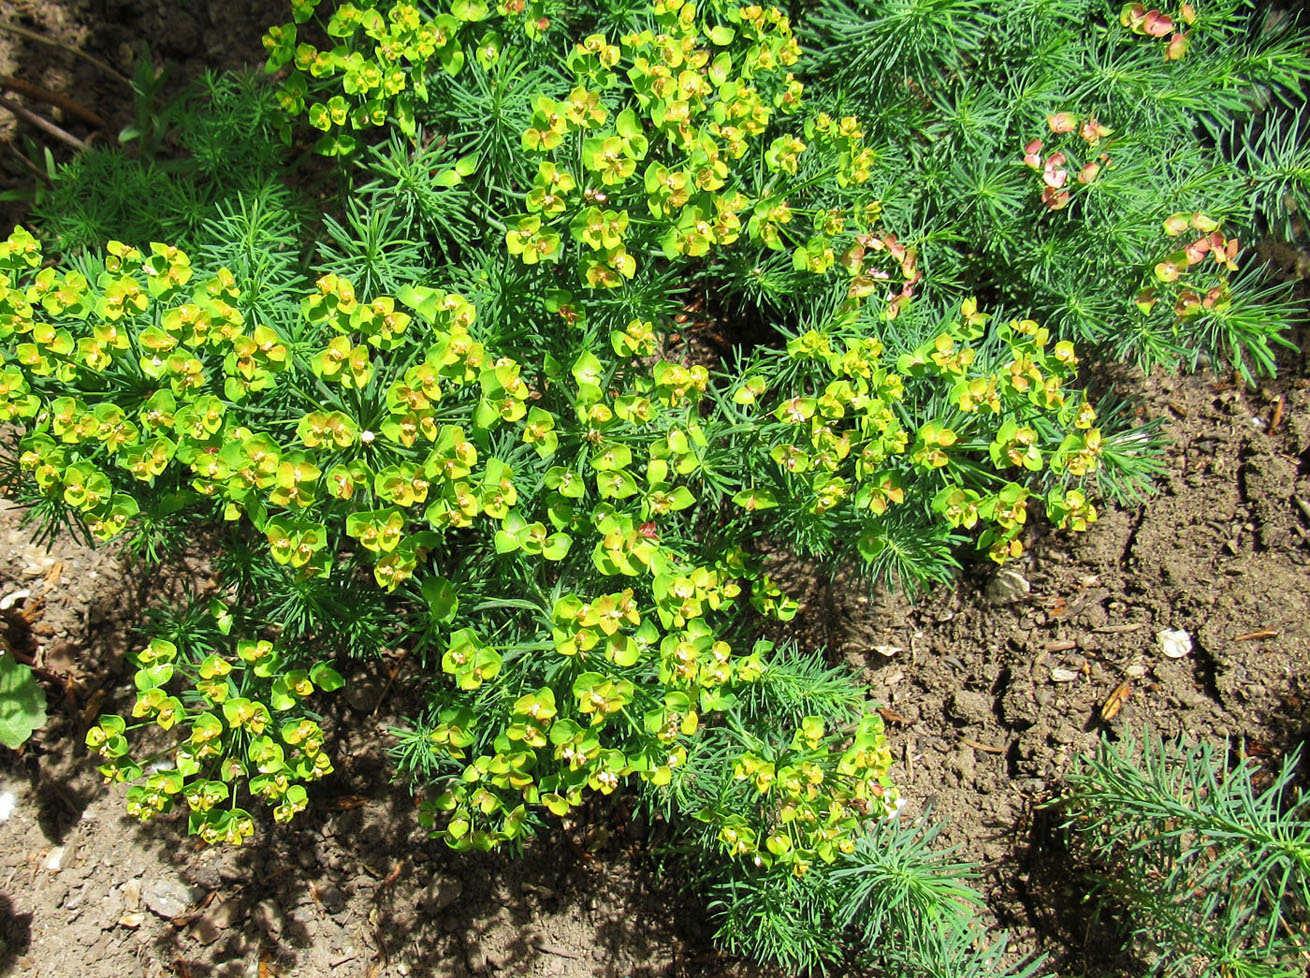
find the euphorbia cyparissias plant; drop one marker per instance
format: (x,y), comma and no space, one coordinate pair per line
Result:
(400,437)
(463,430)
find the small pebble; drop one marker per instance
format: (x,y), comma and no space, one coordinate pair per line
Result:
(1174,642)
(169,898)
(267,918)
(441,892)
(205,931)
(1007,587)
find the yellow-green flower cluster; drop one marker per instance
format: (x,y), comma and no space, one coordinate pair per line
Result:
(376,71)
(648,648)
(387,457)
(845,446)
(815,807)
(687,157)
(241,721)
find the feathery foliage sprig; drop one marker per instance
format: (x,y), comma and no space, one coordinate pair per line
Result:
(1127,116)
(1214,870)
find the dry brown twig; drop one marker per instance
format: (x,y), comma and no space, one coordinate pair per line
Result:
(28,165)
(78,52)
(42,94)
(41,122)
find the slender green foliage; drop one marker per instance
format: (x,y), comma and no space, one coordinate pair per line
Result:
(1214,870)
(1125,115)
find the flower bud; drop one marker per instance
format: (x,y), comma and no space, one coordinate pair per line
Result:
(1062,122)
(1032,154)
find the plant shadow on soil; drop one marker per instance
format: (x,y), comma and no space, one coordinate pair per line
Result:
(15,935)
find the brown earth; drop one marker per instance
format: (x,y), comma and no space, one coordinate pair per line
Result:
(991,687)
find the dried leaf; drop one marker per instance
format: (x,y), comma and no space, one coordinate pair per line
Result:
(53,575)
(1110,709)
(344,803)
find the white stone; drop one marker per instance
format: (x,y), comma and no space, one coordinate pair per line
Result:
(1174,642)
(13,597)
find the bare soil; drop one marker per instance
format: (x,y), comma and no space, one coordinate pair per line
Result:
(983,714)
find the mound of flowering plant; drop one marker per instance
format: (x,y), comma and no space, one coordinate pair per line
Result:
(595,644)
(468,428)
